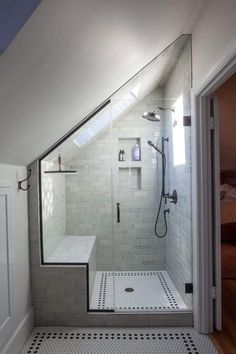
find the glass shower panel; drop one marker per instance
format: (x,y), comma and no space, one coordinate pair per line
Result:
(146,276)
(179,237)
(80,207)
(119,157)
(153,273)
(137,185)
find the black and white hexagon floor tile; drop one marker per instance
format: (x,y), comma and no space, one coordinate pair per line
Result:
(68,340)
(149,291)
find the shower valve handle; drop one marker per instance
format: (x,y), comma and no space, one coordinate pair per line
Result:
(174,197)
(118,212)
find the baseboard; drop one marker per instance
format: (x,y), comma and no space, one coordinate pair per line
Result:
(20,335)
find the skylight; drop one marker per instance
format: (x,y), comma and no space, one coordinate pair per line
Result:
(106,116)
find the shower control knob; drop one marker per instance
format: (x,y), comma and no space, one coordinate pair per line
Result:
(174,197)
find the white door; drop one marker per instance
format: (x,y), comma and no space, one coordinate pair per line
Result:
(216,224)
(5,266)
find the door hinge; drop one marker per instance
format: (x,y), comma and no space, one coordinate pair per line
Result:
(187,121)
(211,123)
(188,288)
(213,292)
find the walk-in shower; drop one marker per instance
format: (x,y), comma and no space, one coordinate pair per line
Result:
(106,216)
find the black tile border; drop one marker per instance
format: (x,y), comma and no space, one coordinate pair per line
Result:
(80,335)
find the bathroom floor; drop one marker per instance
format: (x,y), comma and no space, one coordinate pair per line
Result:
(67,340)
(135,291)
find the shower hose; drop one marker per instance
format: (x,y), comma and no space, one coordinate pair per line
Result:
(160,203)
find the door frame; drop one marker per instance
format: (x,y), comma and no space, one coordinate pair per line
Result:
(203,269)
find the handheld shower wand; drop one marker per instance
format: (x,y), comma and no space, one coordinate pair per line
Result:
(156,148)
(163,195)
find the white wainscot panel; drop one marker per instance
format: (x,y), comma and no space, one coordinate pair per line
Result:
(5,264)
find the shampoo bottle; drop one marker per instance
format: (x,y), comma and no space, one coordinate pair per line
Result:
(136,153)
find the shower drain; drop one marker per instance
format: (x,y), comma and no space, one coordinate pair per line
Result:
(129,290)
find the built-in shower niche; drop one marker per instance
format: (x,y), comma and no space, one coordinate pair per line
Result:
(129,178)
(127,145)
(129,170)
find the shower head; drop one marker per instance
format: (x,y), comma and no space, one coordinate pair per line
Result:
(154,117)
(155,147)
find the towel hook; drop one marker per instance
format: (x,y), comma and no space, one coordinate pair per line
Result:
(23,180)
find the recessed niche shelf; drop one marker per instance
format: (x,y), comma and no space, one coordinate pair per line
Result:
(130,178)
(127,144)
(129,164)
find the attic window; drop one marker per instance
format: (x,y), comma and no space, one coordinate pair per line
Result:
(106,116)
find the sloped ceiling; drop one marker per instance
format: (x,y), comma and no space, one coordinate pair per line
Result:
(150,80)
(70,56)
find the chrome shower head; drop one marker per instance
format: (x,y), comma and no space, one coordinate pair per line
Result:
(154,117)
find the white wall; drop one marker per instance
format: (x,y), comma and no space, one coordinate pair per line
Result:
(21,314)
(215,29)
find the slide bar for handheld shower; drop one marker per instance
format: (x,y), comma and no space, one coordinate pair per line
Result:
(163,165)
(173,197)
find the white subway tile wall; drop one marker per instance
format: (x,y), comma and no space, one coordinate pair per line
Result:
(53,207)
(91,196)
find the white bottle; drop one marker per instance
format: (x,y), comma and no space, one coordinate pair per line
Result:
(136,153)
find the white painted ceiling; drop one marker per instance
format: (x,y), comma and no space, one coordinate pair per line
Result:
(72,55)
